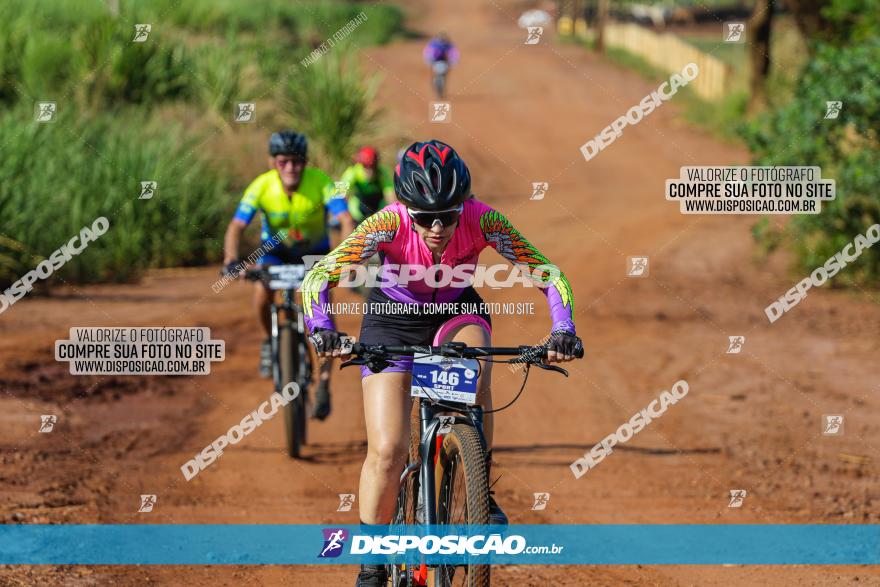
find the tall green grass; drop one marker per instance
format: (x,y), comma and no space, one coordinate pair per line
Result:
(116,103)
(49,51)
(59,177)
(304,21)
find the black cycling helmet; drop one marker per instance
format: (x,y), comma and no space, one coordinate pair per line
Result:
(431,176)
(287,142)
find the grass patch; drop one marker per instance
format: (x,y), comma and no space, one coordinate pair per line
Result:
(123,106)
(724,118)
(633,62)
(331,103)
(787,50)
(59,177)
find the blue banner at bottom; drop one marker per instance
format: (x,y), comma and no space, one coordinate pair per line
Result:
(648,544)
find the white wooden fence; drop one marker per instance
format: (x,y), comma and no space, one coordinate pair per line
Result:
(669,53)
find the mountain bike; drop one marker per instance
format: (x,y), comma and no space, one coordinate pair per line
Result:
(291,361)
(446,480)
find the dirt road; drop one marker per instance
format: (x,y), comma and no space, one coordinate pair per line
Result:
(519,113)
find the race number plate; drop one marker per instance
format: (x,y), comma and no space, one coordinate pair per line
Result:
(286,276)
(445,378)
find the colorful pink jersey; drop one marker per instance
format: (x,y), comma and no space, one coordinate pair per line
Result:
(390,233)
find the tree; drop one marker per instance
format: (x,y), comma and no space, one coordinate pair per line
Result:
(601,19)
(836,22)
(759,27)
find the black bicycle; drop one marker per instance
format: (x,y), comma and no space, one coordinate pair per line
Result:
(291,361)
(446,477)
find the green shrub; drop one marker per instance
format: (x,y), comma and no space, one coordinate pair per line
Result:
(59,177)
(65,51)
(46,65)
(331,102)
(847,149)
(299,20)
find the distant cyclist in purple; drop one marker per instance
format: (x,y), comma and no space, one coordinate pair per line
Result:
(440,54)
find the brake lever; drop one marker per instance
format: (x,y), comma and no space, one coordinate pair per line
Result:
(375,364)
(356,361)
(548,367)
(347,345)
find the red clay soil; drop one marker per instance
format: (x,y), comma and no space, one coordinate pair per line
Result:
(519,113)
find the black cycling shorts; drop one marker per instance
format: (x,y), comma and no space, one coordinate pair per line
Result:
(409,329)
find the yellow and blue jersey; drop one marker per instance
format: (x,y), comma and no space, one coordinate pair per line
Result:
(300,218)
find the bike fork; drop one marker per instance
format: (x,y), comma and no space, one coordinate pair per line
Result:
(275,345)
(428,451)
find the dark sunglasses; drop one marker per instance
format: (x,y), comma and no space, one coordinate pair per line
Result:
(444,217)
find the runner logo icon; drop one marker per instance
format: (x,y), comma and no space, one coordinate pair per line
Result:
(737,496)
(45,112)
(735,32)
(334,539)
(534,37)
(440,112)
(637,267)
(833,425)
(340,189)
(148,188)
(346,500)
(833,108)
(147,503)
(541,500)
(47,422)
(141,32)
(446,423)
(539,190)
(736,344)
(245,112)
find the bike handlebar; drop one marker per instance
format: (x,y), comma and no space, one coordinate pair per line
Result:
(532,355)
(262,273)
(454,349)
(256,274)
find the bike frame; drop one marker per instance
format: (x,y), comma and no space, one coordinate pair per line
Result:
(429,423)
(429,411)
(294,315)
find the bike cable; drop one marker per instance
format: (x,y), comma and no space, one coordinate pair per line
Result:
(519,393)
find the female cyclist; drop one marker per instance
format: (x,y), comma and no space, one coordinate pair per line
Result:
(435,221)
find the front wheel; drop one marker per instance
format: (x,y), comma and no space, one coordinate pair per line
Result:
(440,85)
(439,70)
(295,410)
(409,574)
(462,498)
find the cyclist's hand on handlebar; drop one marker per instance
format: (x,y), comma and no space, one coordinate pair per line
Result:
(232,268)
(563,346)
(328,342)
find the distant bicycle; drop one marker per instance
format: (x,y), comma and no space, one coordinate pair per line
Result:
(439,70)
(291,361)
(446,479)
(440,54)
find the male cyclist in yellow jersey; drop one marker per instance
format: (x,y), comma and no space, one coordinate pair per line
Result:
(295,202)
(370,185)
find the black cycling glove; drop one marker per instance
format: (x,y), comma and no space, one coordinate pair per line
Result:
(565,343)
(232,268)
(326,340)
